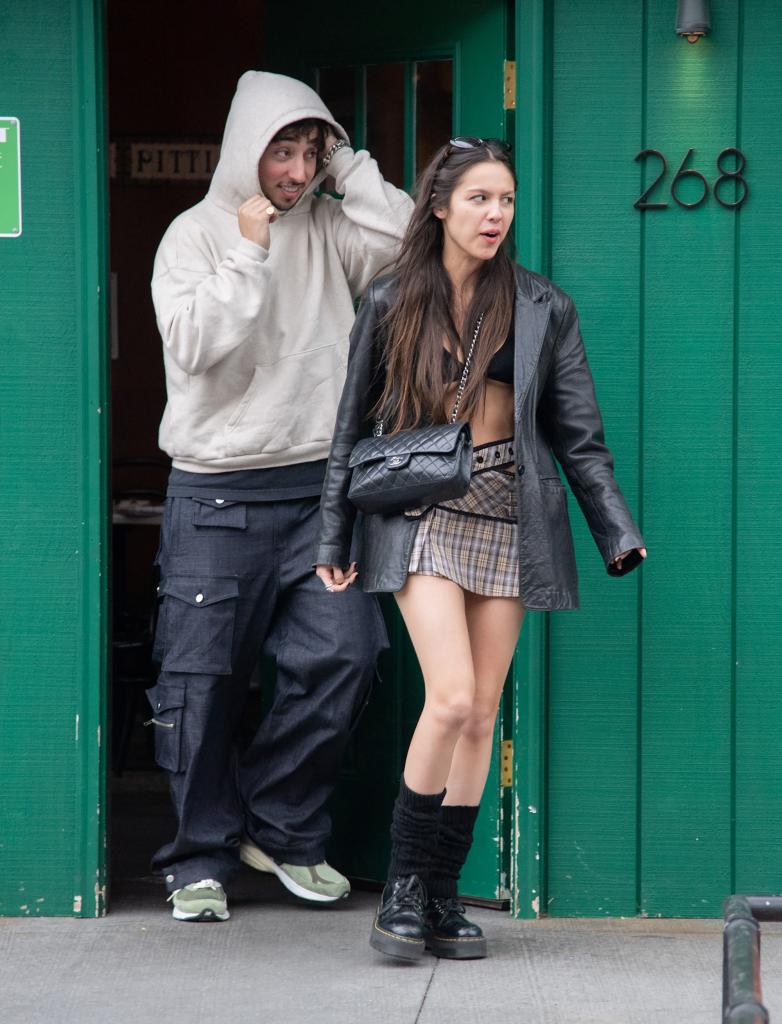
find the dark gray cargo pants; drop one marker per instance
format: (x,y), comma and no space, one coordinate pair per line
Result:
(237,577)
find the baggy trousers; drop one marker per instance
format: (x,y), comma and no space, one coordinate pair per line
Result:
(236,579)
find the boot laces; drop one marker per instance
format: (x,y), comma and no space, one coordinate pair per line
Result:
(408,894)
(448,905)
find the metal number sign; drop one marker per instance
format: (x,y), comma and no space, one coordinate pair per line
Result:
(10,179)
(726,175)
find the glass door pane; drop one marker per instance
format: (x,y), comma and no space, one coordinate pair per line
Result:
(433,108)
(386,119)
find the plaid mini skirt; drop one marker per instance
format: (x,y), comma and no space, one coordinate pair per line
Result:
(473,540)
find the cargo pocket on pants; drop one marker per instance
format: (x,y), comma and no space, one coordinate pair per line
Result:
(167,701)
(200,613)
(218,514)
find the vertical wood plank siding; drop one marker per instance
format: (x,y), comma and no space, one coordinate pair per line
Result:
(664,705)
(758,460)
(593,655)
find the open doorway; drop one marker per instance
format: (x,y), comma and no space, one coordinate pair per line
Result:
(172,74)
(170,85)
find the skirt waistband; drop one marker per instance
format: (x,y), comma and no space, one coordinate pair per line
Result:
(495,453)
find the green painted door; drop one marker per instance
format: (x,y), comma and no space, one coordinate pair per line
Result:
(53,624)
(656,741)
(402,82)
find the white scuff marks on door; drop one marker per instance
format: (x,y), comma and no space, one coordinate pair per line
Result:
(77,728)
(99,737)
(536,906)
(100,897)
(532,809)
(77,904)
(515,848)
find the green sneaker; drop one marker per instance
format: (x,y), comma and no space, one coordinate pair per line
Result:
(318,883)
(200,901)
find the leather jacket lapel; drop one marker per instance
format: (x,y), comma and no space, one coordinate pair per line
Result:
(532,317)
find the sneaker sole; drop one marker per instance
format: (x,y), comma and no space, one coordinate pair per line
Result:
(457,949)
(261,862)
(202,915)
(395,945)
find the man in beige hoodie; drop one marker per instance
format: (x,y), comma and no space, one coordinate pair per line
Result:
(254,290)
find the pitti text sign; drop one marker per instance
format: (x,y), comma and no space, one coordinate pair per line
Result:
(164,161)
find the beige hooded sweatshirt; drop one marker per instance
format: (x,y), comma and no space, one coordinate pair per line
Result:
(255,340)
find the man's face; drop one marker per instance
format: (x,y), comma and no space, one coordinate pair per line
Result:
(286,167)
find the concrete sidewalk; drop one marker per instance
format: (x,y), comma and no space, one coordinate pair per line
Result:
(278,961)
(281,962)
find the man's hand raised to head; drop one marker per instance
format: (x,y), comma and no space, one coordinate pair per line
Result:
(255,216)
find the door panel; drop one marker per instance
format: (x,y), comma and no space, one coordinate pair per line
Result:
(53,615)
(402,82)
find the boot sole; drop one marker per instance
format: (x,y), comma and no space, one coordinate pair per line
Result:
(395,945)
(262,862)
(457,949)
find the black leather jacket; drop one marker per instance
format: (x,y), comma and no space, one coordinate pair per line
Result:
(556,415)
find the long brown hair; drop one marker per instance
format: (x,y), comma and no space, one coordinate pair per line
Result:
(421,315)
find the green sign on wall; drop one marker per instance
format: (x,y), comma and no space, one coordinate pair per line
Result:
(10,179)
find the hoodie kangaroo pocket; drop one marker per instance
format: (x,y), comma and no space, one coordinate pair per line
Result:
(289,403)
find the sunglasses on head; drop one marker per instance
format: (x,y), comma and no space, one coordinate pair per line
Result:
(473,142)
(463,142)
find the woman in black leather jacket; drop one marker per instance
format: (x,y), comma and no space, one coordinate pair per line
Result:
(464,571)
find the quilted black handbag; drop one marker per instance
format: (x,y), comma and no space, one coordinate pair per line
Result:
(414,467)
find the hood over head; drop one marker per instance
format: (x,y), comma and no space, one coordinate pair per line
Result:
(263,104)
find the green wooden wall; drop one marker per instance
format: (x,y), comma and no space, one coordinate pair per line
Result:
(52,439)
(646,724)
(661,710)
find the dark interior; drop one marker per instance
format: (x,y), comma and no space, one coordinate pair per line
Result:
(172,71)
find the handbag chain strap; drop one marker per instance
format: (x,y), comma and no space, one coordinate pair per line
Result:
(378,430)
(466,370)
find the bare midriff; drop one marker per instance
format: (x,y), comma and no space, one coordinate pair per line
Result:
(493,421)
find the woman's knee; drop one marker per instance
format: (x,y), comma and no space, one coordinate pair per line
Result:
(450,711)
(479,724)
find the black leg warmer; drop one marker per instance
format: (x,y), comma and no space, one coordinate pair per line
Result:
(454,839)
(414,827)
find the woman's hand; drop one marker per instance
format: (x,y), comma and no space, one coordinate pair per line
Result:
(255,216)
(334,579)
(617,562)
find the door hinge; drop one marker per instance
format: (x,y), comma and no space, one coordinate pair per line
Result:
(509,87)
(506,764)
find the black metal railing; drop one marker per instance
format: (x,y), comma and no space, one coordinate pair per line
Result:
(742,996)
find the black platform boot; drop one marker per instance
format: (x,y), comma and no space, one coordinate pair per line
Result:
(447,932)
(398,928)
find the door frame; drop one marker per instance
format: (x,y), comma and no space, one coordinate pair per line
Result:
(530,665)
(92,226)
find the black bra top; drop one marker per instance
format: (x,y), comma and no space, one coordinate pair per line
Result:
(500,367)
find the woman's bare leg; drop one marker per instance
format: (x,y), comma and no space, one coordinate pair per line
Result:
(434,612)
(493,624)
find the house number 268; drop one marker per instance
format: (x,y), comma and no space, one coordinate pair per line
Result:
(725,175)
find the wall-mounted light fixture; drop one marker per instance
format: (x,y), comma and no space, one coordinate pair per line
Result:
(693,19)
